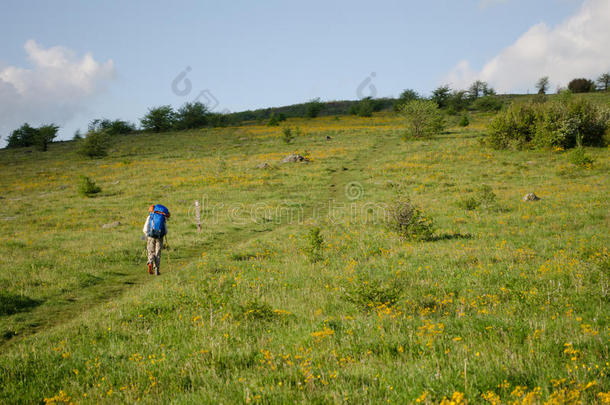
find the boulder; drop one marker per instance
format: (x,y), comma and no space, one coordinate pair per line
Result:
(111,225)
(263,165)
(530,197)
(294,159)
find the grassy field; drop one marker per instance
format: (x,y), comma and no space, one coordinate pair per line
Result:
(507,302)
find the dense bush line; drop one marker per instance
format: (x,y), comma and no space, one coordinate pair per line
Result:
(564,122)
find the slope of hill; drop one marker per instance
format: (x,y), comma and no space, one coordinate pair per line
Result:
(508,299)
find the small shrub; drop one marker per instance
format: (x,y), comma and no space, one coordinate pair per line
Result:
(578,157)
(87,187)
(370,294)
(95,144)
(409,221)
(287,135)
(469,203)
(313,108)
(487,103)
(273,120)
(313,249)
(423,118)
(464,121)
(259,311)
(486,196)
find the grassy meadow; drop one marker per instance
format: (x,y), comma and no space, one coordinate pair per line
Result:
(506,303)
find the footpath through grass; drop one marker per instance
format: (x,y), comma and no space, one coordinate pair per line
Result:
(508,301)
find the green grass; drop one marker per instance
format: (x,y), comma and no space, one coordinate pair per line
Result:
(507,299)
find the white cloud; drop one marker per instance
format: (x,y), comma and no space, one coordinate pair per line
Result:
(54,89)
(578,47)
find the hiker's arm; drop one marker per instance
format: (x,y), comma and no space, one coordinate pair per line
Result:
(146,226)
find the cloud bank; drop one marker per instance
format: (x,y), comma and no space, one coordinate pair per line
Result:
(54,89)
(578,47)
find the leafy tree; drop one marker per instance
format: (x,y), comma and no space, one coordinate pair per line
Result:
(22,137)
(406,96)
(273,120)
(77,135)
(458,101)
(441,95)
(423,118)
(581,85)
(604,81)
(480,89)
(44,135)
(192,115)
(313,108)
(366,107)
(159,119)
(543,85)
(116,127)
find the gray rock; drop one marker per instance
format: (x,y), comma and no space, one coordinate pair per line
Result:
(264,165)
(294,159)
(531,197)
(111,225)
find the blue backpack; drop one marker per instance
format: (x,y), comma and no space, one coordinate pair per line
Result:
(157,216)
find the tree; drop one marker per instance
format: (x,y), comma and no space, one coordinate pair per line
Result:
(192,115)
(581,85)
(604,81)
(22,137)
(44,135)
(116,127)
(458,101)
(313,108)
(406,96)
(423,118)
(480,89)
(441,95)
(543,85)
(159,119)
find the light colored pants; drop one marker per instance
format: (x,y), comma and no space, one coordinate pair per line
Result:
(153,246)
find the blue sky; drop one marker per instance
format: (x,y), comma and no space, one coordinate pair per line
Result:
(258,54)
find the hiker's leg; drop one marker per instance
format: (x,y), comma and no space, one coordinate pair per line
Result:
(150,249)
(158,246)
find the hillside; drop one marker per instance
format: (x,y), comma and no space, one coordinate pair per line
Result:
(508,299)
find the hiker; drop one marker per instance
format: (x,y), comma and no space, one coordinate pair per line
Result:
(155,230)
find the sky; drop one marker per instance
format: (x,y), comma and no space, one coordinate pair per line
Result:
(69,62)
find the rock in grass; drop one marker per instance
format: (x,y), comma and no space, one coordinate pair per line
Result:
(530,197)
(264,165)
(294,159)
(111,225)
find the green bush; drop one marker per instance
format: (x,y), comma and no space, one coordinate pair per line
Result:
(487,103)
(95,144)
(409,221)
(313,108)
(423,118)
(273,120)
(191,116)
(313,249)
(159,119)
(464,121)
(116,127)
(287,134)
(578,157)
(87,187)
(565,122)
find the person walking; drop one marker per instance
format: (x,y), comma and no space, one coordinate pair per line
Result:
(155,230)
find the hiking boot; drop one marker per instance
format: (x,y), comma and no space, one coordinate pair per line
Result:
(158,273)
(150,268)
